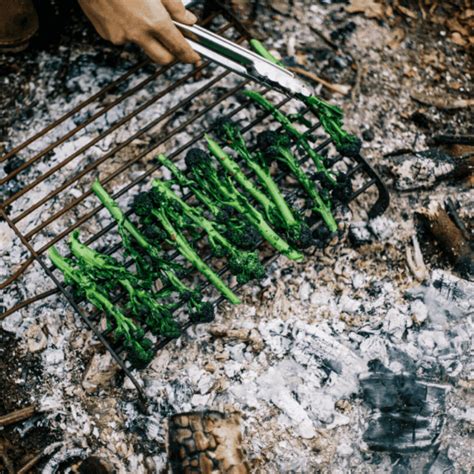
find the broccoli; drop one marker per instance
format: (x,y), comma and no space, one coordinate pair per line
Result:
(142,303)
(220,188)
(237,230)
(244,265)
(140,347)
(154,203)
(150,264)
(276,146)
(278,212)
(300,137)
(329,115)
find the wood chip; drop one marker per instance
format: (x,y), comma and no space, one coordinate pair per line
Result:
(370,8)
(397,36)
(407,12)
(342,89)
(456,38)
(442,102)
(17,416)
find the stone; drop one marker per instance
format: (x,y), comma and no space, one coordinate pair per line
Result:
(238,469)
(201,441)
(212,442)
(190,445)
(182,434)
(37,340)
(208,425)
(99,373)
(182,421)
(205,464)
(195,423)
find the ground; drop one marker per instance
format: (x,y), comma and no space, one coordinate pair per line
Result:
(350,361)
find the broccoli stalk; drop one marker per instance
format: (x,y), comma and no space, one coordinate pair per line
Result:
(140,347)
(243,264)
(277,146)
(278,212)
(234,170)
(142,303)
(237,230)
(292,130)
(329,115)
(155,204)
(199,310)
(220,188)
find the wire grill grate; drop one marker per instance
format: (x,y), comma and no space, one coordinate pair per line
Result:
(41,215)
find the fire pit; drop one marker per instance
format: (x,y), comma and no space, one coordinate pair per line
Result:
(291,356)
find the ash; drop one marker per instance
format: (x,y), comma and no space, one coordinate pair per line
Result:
(353,360)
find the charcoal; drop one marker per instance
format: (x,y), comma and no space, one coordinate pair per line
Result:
(407,413)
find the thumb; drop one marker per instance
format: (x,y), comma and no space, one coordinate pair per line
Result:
(177,12)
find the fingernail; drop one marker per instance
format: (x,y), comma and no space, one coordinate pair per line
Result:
(191,17)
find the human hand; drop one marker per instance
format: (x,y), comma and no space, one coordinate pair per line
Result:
(147,23)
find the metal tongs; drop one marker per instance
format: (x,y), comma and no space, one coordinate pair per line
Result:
(243,61)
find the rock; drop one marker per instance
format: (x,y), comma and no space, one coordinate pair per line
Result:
(382,227)
(344,450)
(37,340)
(281,6)
(359,234)
(420,170)
(202,443)
(100,371)
(205,464)
(304,291)
(419,311)
(396,322)
(195,423)
(218,448)
(182,435)
(182,421)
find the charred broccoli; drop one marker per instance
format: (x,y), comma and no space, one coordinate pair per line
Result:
(218,187)
(245,265)
(142,303)
(167,213)
(140,347)
(236,229)
(277,210)
(150,264)
(276,146)
(329,115)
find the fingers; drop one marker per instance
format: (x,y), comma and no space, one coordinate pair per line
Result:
(177,11)
(171,38)
(156,52)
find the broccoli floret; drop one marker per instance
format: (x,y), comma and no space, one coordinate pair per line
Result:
(218,187)
(142,303)
(148,258)
(232,225)
(300,138)
(275,146)
(125,328)
(168,213)
(220,245)
(330,117)
(277,210)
